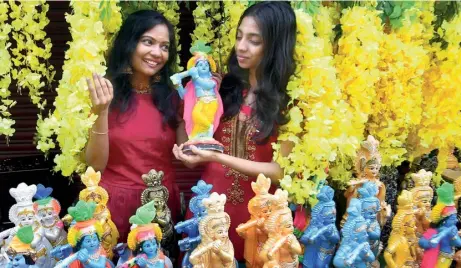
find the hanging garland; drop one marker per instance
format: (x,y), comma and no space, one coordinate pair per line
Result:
(6,123)
(357,60)
(397,106)
(206,16)
(440,126)
(320,126)
(32,49)
(72,118)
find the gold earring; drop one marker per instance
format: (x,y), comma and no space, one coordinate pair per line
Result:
(127,70)
(157,78)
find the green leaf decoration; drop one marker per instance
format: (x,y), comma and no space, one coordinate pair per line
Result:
(83,211)
(25,234)
(446,193)
(200,46)
(144,215)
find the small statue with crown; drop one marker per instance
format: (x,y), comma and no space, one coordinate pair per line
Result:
(203,106)
(215,249)
(191,226)
(158,194)
(22,214)
(95,193)
(47,210)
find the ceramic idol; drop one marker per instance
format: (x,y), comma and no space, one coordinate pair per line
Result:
(321,236)
(260,208)
(440,240)
(190,227)
(367,166)
(422,200)
(215,248)
(354,249)
(402,248)
(144,241)
(85,238)
(158,193)
(22,214)
(95,193)
(47,210)
(202,103)
(281,248)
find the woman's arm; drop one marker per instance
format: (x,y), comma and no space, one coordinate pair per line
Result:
(247,167)
(97,148)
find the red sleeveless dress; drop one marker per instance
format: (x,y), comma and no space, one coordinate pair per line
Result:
(138,142)
(237,138)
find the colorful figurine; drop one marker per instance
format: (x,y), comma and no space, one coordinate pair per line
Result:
(191,226)
(215,249)
(158,193)
(281,248)
(20,253)
(354,249)
(95,193)
(202,103)
(321,236)
(85,239)
(367,166)
(440,240)
(253,231)
(22,214)
(422,200)
(402,248)
(370,208)
(47,210)
(144,240)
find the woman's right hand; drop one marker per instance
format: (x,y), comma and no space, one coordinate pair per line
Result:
(101,92)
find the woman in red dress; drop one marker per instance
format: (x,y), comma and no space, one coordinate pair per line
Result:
(255,100)
(137,121)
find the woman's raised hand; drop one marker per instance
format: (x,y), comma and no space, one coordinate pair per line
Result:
(101,92)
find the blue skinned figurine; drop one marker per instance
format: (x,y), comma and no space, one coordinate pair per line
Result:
(370,209)
(203,106)
(442,238)
(321,236)
(354,249)
(191,226)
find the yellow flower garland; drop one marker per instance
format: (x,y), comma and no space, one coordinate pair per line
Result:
(397,107)
(29,58)
(440,126)
(6,124)
(324,22)
(225,34)
(170,10)
(72,118)
(357,60)
(320,122)
(204,29)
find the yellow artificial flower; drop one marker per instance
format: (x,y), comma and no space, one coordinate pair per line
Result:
(30,57)
(6,123)
(319,124)
(72,118)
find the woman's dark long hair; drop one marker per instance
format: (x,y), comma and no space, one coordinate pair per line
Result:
(277,23)
(164,96)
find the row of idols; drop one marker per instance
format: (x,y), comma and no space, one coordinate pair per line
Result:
(422,235)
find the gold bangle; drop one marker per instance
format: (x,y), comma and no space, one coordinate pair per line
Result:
(99,133)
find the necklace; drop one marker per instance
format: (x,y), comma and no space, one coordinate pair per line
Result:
(142,89)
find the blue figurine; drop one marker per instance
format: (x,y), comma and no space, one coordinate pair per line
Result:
(370,209)
(321,236)
(354,249)
(442,238)
(191,226)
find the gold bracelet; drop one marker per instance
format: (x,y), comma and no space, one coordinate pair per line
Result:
(99,133)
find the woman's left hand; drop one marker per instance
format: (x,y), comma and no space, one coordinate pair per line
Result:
(199,156)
